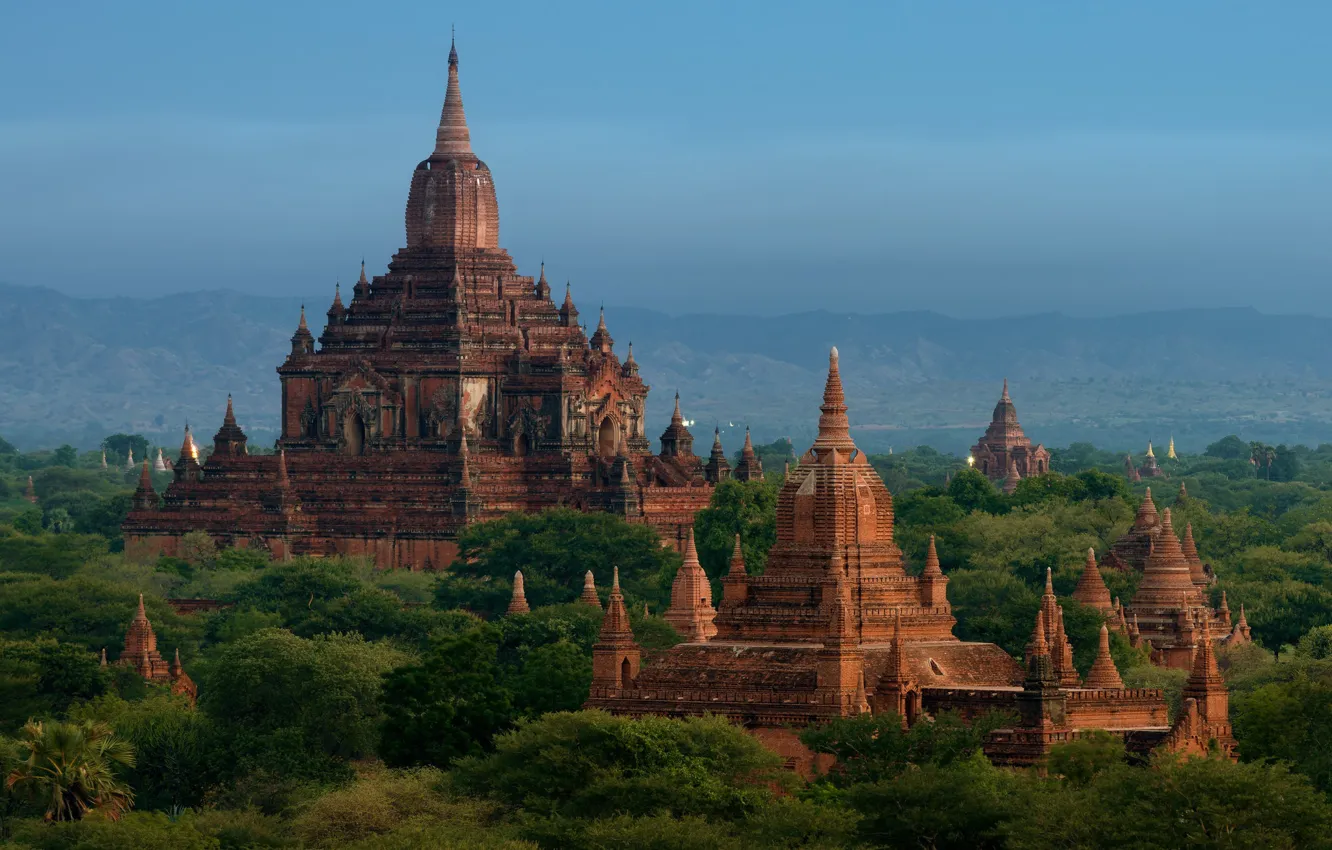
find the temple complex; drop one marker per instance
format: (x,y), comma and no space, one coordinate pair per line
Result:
(835,627)
(141,654)
(1004,453)
(449,390)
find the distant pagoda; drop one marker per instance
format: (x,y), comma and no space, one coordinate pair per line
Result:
(1004,452)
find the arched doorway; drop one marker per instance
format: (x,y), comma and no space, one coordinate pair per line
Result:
(353,432)
(626,673)
(608,437)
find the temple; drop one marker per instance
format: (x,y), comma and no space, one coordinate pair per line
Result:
(449,390)
(141,654)
(835,627)
(1004,453)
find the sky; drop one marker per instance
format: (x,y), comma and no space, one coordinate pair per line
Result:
(972,158)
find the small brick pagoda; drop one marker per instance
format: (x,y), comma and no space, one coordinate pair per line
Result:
(1004,453)
(836,627)
(450,389)
(141,654)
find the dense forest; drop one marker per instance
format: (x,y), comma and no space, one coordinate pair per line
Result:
(340,706)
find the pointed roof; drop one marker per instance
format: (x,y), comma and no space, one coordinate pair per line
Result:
(159,465)
(283,480)
(589,595)
(1150,453)
(145,497)
(1103,673)
(676,418)
(229,438)
(337,307)
(834,426)
(896,669)
(452,138)
(601,339)
(615,626)
(630,366)
(189,450)
(1038,643)
(1147,517)
(1091,589)
(1170,452)
(518,602)
(736,570)
(1204,671)
(1183,493)
(1166,575)
(1012,479)
(691,611)
(932,568)
(362,279)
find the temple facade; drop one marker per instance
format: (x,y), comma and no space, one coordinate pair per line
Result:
(835,627)
(448,390)
(142,656)
(1004,453)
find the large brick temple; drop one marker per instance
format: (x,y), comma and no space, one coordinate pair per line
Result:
(836,626)
(449,389)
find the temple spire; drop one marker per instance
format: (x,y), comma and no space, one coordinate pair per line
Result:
(589,595)
(932,569)
(834,426)
(691,612)
(1091,589)
(676,418)
(145,498)
(283,481)
(453,138)
(518,603)
(1103,673)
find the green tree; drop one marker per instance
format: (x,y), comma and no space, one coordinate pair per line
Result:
(554,549)
(747,508)
(300,705)
(1228,448)
(447,705)
(875,747)
(1289,720)
(66,455)
(1176,803)
(589,763)
(41,678)
(70,769)
(972,491)
(118,446)
(967,806)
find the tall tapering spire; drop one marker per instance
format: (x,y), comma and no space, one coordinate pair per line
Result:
(1091,589)
(932,568)
(834,426)
(145,498)
(1103,673)
(283,481)
(518,602)
(691,611)
(589,594)
(452,138)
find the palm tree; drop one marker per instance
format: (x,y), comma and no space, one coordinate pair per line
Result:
(71,767)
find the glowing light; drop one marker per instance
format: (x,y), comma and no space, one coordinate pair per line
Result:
(971,461)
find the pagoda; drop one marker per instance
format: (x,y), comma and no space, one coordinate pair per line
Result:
(1005,453)
(448,390)
(142,656)
(836,627)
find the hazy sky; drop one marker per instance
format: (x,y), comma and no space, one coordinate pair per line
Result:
(975,158)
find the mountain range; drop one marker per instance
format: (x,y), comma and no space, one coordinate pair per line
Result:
(76,369)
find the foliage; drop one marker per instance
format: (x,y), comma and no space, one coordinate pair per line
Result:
(447,705)
(874,747)
(747,508)
(588,763)
(554,549)
(295,704)
(41,678)
(69,768)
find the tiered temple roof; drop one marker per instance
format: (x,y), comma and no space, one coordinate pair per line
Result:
(835,626)
(451,347)
(141,654)
(1005,453)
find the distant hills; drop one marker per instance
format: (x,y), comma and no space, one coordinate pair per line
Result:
(76,369)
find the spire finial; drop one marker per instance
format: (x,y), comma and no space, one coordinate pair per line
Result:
(1005,397)
(932,569)
(452,137)
(834,427)
(302,326)
(283,480)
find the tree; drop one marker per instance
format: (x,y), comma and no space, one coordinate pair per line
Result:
(875,747)
(70,767)
(41,678)
(1284,465)
(447,705)
(747,508)
(972,491)
(303,706)
(1199,802)
(967,806)
(589,763)
(66,455)
(1228,448)
(554,549)
(1289,720)
(118,446)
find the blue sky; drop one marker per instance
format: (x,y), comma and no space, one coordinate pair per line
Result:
(974,158)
